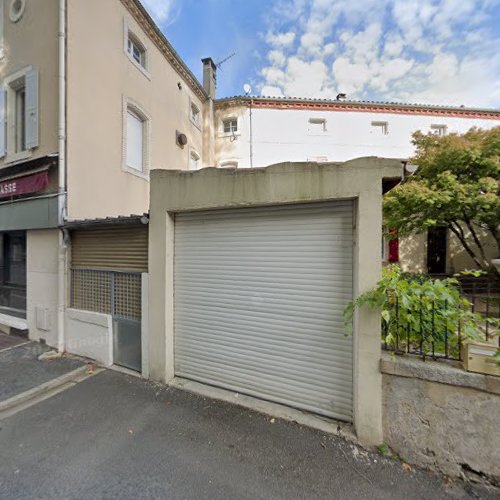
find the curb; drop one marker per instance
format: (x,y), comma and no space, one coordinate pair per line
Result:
(15,346)
(74,376)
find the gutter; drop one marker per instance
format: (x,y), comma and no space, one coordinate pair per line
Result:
(284,101)
(62,195)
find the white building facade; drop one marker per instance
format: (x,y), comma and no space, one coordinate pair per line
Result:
(260,131)
(253,132)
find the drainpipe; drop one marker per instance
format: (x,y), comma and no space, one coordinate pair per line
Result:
(251,134)
(62,207)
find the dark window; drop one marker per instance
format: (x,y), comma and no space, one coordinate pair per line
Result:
(13,274)
(436,250)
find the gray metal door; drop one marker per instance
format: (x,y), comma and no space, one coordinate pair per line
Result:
(259,296)
(126,312)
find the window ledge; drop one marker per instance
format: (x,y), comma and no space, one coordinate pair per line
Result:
(23,155)
(13,322)
(133,171)
(229,134)
(142,69)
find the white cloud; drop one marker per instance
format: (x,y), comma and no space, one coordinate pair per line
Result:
(282,40)
(277,58)
(162,11)
(270,91)
(417,50)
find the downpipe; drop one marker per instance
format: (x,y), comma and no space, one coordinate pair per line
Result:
(62,192)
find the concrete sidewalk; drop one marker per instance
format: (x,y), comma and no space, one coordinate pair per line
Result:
(20,369)
(117,436)
(9,341)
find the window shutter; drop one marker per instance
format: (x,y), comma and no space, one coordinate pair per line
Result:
(3,124)
(32,126)
(135,142)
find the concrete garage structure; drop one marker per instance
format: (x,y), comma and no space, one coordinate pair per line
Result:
(250,271)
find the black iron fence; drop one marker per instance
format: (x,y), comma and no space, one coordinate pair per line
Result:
(431,328)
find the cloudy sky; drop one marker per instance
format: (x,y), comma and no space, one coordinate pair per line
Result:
(426,51)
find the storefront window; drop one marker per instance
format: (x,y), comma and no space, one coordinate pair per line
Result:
(13,274)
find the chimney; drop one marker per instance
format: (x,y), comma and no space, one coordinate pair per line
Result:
(209,76)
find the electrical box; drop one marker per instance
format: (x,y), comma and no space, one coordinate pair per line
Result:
(479,357)
(42,318)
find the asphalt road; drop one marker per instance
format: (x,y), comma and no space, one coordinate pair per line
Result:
(115,436)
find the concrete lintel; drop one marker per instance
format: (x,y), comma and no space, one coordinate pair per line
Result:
(438,371)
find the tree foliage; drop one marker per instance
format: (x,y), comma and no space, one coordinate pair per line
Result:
(457,186)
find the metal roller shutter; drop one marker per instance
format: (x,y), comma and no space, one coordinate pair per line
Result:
(259,297)
(120,248)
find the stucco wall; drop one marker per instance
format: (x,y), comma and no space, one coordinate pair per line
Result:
(42,285)
(100,76)
(440,416)
(413,253)
(90,334)
(283,135)
(33,41)
(360,180)
(458,259)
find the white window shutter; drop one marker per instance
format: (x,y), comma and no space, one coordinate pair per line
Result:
(3,123)
(32,119)
(135,142)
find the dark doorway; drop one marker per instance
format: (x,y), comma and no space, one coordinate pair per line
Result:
(436,250)
(13,273)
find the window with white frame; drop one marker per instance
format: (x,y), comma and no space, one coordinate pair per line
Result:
(136,50)
(230,125)
(439,129)
(381,128)
(20,118)
(136,132)
(19,112)
(194,160)
(135,141)
(316,126)
(195,114)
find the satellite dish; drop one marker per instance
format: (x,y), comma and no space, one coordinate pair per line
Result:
(247,89)
(411,169)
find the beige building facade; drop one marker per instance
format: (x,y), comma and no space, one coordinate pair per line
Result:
(79,136)
(160,92)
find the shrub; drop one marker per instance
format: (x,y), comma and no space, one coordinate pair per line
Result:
(420,311)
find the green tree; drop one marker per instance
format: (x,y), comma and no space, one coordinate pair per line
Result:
(457,186)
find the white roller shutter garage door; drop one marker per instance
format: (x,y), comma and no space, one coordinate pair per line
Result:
(259,296)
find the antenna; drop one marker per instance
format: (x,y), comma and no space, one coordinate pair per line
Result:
(222,61)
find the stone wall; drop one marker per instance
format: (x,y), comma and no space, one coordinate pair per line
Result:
(438,415)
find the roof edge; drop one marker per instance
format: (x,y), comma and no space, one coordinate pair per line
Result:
(349,105)
(142,16)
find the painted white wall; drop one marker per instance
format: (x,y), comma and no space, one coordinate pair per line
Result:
(90,334)
(286,135)
(42,285)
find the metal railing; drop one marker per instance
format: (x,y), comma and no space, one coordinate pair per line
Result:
(434,331)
